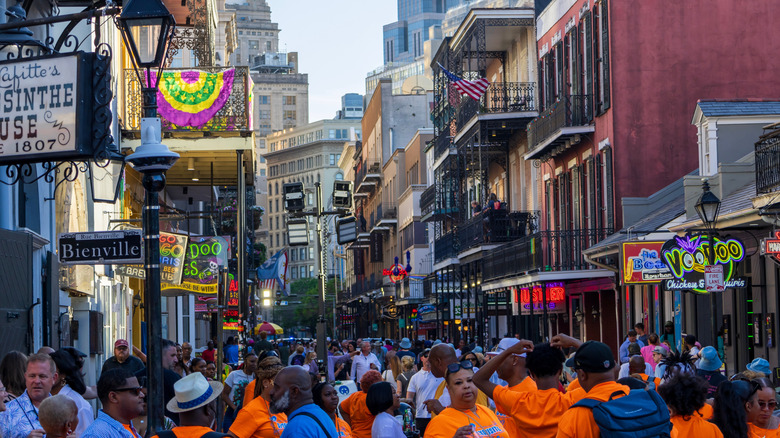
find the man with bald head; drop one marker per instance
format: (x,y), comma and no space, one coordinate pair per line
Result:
(363,362)
(636,365)
(292,395)
(441,357)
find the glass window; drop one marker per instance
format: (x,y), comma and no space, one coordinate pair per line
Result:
(303,271)
(288,100)
(263,100)
(262,173)
(268,46)
(311,254)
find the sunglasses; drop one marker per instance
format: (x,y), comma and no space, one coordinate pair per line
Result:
(136,390)
(763,405)
(457,366)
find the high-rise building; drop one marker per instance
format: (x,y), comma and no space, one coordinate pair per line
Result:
(280,93)
(403,39)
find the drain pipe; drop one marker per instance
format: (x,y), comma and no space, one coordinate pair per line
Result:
(599,264)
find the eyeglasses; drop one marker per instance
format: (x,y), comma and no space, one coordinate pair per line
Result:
(457,366)
(136,390)
(764,405)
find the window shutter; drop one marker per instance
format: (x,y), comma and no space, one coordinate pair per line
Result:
(605,58)
(599,168)
(610,201)
(576,61)
(560,90)
(542,88)
(588,30)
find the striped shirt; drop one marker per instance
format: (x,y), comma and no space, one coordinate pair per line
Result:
(106,427)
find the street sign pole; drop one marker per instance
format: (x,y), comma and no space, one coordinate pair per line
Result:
(321,347)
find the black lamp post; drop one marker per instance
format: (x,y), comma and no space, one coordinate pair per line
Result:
(708,207)
(147,27)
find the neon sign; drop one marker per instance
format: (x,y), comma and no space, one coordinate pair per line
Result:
(771,247)
(642,263)
(397,272)
(687,256)
(554,298)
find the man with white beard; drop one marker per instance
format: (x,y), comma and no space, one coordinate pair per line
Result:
(291,394)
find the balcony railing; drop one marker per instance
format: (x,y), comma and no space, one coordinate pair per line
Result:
(442,144)
(543,251)
(446,246)
(232,116)
(768,163)
(496,226)
(428,200)
(390,210)
(576,110)
(500,97)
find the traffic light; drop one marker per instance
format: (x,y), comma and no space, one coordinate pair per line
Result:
(346,230)
(342,194)
(293,197)
(297,232)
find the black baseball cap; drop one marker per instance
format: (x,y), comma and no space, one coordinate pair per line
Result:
(592,357)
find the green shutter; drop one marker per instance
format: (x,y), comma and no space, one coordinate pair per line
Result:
(605,58)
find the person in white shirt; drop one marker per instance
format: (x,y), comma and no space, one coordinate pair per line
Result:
(363,362)
(422,386)
(69,378)
(382,401)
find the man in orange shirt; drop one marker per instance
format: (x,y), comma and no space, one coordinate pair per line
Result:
(196,404)
(595,365)
(536,412)
(510,368)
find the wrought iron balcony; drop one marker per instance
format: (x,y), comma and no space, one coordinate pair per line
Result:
(568,116)
(558,250)
(442,144)
(367,176)
(446,246)
(390,210)
(500,97)
(496,226)
(428,201)
(221,104)
(768,163)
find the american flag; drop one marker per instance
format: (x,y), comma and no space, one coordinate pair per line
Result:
(267,284)
(473,89)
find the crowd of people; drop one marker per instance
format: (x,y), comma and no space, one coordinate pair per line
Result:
(402,389)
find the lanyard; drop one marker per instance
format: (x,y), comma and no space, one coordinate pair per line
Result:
(25,412)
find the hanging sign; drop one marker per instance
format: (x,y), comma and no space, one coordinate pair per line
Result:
(687,257)
(642,263)
(200,274)
(47,108)
(771,247)
(396,273)
(713,278)
(172,251)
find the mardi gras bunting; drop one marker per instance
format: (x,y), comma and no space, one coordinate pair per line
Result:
(192,98)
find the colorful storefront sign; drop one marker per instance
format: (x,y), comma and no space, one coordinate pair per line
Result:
(642,263)
(687,256)
(172,252)
(204,257)
(771,247)
(551,295)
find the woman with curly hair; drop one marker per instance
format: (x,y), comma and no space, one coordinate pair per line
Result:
(326,397)
(686,395)
(255,419)
(730,408)
(761,422)
(354,409)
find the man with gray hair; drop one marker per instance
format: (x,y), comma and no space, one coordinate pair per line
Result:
(363,362)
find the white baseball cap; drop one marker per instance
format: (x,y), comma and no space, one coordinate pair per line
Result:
(505,344)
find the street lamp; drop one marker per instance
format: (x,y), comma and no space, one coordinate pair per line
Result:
(708,207)
(147,27)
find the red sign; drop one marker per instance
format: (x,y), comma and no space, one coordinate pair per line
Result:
(399,274)
(771,247)
(643,264)
(554,298)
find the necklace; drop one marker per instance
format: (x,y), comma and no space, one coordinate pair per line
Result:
(471,419)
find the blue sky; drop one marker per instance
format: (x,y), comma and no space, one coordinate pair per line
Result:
(338,42)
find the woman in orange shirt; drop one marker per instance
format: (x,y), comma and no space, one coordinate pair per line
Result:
(761,422)
(326,397)
(685,394)
(255,420)
(354,408)
(268,362)
(464,417)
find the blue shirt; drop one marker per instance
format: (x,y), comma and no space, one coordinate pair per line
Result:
(106,427)
(303,426)
(231,354)
(20,418)
(624,350)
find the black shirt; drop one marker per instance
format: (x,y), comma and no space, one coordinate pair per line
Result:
(169,379)
(132,364)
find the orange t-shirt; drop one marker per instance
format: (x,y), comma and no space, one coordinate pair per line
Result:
(359,415)
(536,413)
(249,392)
(189,431)
(694,426)
(449,420)
(343,428)
(130,429)
(574,384)
(504,417)
(645,378)
(579,422)
(758,432)
(706,411)
(256,421)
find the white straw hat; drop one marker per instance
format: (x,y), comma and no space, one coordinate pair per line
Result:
(193,392)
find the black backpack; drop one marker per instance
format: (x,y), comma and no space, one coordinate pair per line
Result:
(639,414)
